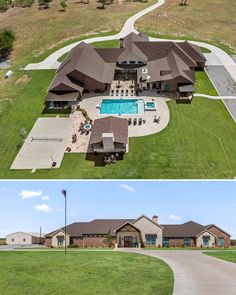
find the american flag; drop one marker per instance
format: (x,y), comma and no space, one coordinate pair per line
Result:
(63,191)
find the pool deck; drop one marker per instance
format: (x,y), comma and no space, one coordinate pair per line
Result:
(90,105)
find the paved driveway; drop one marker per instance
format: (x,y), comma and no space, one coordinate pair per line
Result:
(196,273)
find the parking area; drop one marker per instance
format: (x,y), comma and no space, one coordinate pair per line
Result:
(225,85)
(45,144)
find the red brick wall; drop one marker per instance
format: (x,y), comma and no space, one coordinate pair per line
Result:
(179,242)
(220,234)
(90,242)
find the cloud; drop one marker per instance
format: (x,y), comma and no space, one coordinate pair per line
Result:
(25,194)
(45,198)
(175,217)
(43,208)
(127,187)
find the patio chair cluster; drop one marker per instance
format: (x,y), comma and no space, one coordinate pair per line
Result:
(157,119)
(136,121)
(110,158)
(74,138)
(122,89)
(86,127)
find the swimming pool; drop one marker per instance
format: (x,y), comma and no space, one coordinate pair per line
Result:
(122,106)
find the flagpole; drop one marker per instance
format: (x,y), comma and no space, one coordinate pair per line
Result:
(65,224)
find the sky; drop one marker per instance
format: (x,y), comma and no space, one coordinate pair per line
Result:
(29,205)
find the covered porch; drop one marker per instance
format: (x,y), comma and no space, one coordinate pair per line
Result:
(128,236)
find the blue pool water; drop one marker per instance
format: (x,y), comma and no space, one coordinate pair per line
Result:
(121,106)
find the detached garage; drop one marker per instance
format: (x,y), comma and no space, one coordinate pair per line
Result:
(25,238)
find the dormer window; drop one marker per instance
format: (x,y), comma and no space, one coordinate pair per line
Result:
(124,62)
(132,62)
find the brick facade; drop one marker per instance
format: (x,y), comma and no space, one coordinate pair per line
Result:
(48,242)
(220,234)
(179,242)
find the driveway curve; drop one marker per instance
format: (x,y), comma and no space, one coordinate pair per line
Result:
(196,273)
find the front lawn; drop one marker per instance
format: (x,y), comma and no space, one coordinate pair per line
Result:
(83,273)
(225,255)
(203,84)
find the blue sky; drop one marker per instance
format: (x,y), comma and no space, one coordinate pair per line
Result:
(27,205)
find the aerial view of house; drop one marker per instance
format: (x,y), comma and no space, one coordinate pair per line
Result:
(140,232)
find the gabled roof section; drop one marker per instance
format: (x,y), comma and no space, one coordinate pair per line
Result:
(213,225)
(127,223)
(149,219)
(132,37)
(86,60)
(193,50)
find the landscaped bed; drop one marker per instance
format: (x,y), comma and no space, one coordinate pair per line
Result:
(83,272)
(225,255)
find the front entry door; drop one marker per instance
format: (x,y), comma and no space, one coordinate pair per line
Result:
(128,241)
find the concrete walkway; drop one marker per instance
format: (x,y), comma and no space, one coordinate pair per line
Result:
(196,273)
(213,97)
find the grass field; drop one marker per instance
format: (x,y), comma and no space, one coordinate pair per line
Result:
(198,142)
(84,273)
(39,30)
(191,248)
(225,255)
(212,21)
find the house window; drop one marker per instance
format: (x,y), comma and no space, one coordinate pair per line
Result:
(132,62)
(166,242)
(205,240)
(124,62)
(221,241)
(187,242)
(60,241)
(140,62)
(12,240)
(151,240)
(23,240)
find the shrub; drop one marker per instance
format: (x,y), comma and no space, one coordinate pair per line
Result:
(7,38)
(73,246)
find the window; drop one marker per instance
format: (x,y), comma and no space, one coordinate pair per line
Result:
(140,62)
(151,240)
(206,240)
(12,240)
(166,242)
(221,241)
(60,240)
(187,242)
(24,240)
(132,62)
(124,62)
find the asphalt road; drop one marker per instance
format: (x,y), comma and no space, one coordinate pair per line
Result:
(196,273)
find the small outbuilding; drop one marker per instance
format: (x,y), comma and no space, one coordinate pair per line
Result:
(109,135)
(25,238)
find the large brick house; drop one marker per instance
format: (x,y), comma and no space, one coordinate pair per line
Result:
(159,66)
(140,232)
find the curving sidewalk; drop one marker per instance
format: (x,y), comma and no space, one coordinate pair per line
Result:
(213,97)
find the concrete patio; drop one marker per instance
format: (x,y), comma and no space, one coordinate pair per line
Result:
(150,127)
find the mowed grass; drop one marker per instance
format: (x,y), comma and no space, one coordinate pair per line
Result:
(225,255)
(209,20)
(83,273)
(203,84)
(38,31)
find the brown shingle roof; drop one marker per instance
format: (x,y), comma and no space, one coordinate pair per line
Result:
(188,229)
(115,125)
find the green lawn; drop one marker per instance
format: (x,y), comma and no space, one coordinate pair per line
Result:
(225,255)
(203,84)
(190,248)
(83,273)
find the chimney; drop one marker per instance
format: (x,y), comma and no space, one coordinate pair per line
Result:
(121,42)
(155,218)
(108,142)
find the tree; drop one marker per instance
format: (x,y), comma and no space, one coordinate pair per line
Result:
(7,38)
(44,4)
(63,5)
(108,240)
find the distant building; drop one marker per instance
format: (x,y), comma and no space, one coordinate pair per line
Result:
(25,238)
(140,232)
